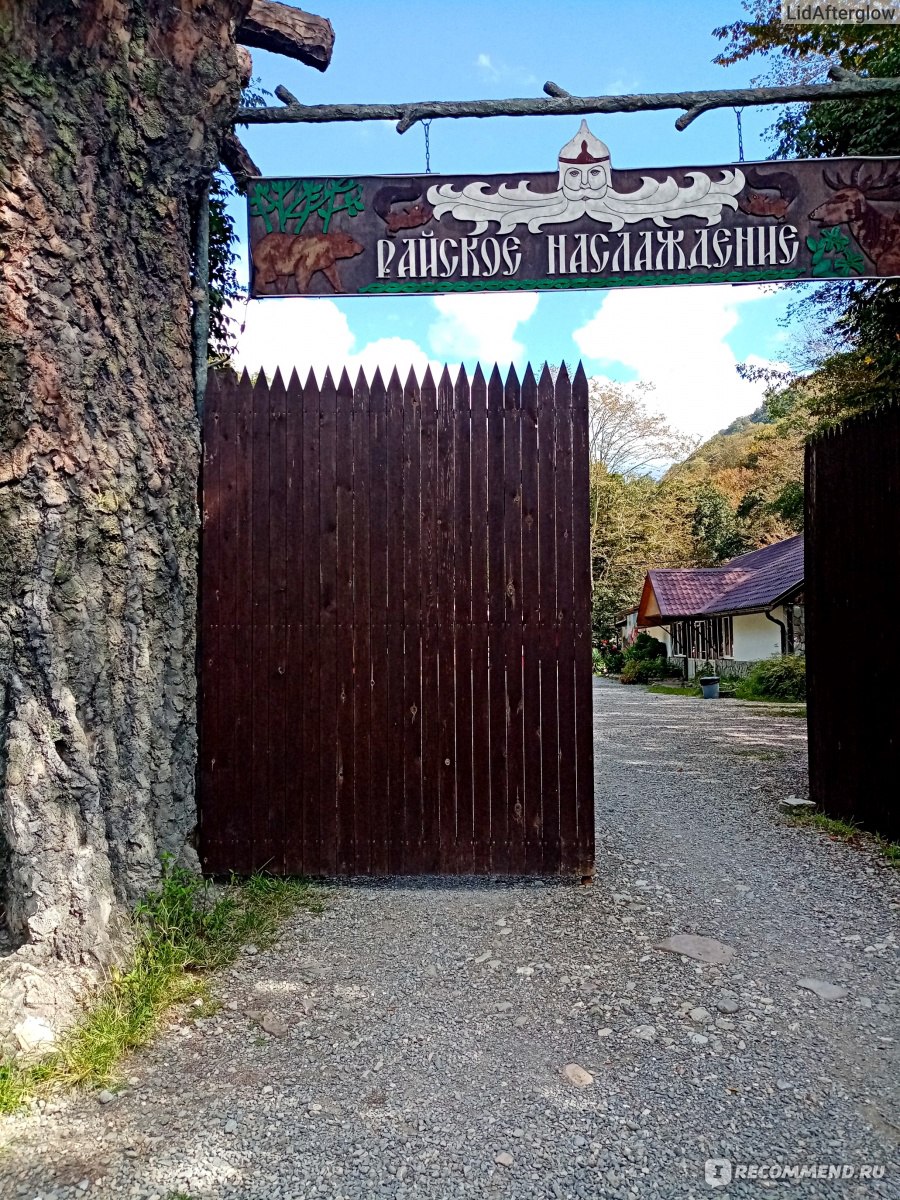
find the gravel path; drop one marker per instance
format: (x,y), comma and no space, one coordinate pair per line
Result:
(421,1027)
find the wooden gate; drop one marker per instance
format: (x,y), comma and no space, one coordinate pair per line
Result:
(852,534)
(395,630)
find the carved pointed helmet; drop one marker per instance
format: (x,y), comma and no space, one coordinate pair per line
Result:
(584,167)
(584,148)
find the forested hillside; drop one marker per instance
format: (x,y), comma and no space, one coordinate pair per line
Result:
(741,489)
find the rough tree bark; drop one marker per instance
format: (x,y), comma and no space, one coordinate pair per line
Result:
(112,113)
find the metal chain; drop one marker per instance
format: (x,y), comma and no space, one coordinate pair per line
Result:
(738,112)
(426,125)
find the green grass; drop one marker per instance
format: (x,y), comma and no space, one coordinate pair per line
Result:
(183,933)
(833,826)
(847,831)
(777,708)
(890,850)
(665,689)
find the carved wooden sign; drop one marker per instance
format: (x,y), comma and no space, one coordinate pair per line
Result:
(585,225)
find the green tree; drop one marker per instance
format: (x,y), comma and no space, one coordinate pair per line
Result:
(640,522)
(715,527)
(860,363)
(633,522)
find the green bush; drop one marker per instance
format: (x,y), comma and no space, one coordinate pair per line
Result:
(644,670)
(608,658)
(645,660)
(645,647)
(782,678)
(614,661)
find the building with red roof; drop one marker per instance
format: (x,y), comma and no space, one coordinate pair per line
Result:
(748,609)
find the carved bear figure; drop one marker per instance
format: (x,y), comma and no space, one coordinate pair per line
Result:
(302,255)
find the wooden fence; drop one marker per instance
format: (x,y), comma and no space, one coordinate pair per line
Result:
(395,629)
(852,650)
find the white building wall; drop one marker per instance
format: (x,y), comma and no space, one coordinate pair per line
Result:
(756,637)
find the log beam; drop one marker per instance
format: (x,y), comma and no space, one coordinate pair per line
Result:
(560,103)
(287,31)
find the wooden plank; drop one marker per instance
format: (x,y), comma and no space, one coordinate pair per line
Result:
(462,535)
(362,667)
(227,572)
(481,738)
(343,612)
(512,631)
(548,613)
(431,618)
(531,646)
(445,588)
(309,759)
(379,770)
(231,817)
(499,837)
(294,661)
(584,684)
(565,601)
(395,616)
(213,640)
(328,763)
(412,833)
(260,632)
(277,718)
(239,833)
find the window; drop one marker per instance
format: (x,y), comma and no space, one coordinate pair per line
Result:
(706,640)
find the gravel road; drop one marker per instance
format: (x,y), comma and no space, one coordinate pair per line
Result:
(421,1028)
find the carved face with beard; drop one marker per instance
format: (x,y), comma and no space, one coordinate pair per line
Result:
(584,167)
(585,188)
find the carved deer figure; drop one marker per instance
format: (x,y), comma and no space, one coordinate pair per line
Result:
(877,232)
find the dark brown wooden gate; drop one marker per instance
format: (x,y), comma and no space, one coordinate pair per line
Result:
(852,535)
(395,631)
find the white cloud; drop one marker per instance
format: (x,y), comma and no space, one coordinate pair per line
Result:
(621,87)
(481,327)
(315,334)
(391,352)
(293,332)
(675,338)
(500,70)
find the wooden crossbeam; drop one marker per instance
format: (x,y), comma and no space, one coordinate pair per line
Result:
(845,86)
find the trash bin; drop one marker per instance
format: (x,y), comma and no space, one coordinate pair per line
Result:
(709,686)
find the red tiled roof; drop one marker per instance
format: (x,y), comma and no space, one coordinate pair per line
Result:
(749,583)
(771,573)
(683,592)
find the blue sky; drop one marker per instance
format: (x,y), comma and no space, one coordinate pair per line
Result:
(684,340)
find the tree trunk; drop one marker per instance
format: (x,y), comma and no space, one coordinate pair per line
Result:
(112,112)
